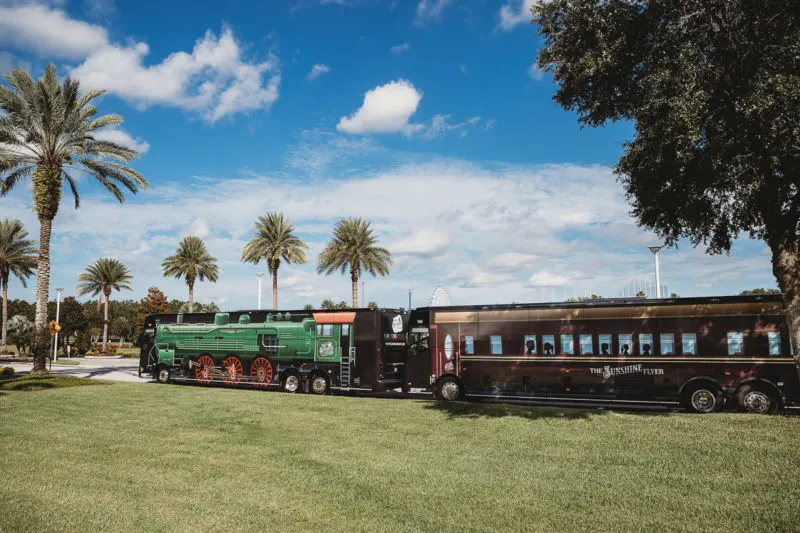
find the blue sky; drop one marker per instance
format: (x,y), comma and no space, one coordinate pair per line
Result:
(425,117)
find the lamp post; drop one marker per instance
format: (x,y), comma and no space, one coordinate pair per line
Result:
(58,310)
(259,275)
(655,250)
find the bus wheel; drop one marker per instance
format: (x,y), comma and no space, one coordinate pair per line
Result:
(291,382)
(755,399)
(704,399)
(232,366)
(261,372)
(163,374)
(449,390)
(318,384)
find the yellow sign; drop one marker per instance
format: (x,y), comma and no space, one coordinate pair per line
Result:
(54,327)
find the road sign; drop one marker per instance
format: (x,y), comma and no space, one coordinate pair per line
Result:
(54,328)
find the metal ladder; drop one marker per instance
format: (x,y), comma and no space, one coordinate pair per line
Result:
(345,367)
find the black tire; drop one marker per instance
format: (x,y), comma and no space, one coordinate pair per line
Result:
(703,398)
(757,399)
(318,384)
(291,382)
(163,374)
(449,389)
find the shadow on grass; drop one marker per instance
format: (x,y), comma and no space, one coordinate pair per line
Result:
(499,410)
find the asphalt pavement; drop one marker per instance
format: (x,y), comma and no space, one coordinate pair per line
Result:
(105,368)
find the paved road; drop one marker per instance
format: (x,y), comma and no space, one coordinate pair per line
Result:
(110,369)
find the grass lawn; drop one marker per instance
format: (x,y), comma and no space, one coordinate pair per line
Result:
(48,381)
(136,457)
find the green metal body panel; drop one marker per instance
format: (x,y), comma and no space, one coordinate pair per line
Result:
(278,339)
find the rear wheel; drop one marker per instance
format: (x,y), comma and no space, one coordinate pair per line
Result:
(291,382)
(756,399)
(318,384)
(703,398)
(232,366)
(163,374)
(203,368)
(449,390)
(261,372)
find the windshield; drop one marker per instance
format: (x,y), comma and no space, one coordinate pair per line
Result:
(419,341)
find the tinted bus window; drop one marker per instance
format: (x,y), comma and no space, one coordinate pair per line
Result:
(774,338)
(667,344)
(567,345)
(529,345)
(605,344)
(645,344)
(689,342)
(735,343)
(469,344)
(625,343)
(586,345)
(497,344)
(548,344)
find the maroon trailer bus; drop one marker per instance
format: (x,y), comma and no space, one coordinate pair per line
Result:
(702,354)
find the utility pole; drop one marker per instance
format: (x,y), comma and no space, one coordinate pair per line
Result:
(655,250)
(409,298)
(363,294)
(58,309)
(259,275)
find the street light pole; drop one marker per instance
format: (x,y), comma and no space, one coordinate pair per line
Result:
(655,250)
(259,275)
(58,310)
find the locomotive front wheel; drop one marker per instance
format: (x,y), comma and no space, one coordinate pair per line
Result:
(291,382)
(163,375)
(318,385)
(261,372)
(232,366)
(202,370)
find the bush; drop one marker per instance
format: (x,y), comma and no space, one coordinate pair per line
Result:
(6,372)
(98,348)
(82,343)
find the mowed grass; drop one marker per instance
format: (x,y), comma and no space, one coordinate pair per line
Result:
(132,457)
(46,381)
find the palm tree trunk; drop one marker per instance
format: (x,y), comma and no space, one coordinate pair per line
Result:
(275,289)
(354,279)
(99,303)
(42,290)
(191,297)
(4,335)
(105,326)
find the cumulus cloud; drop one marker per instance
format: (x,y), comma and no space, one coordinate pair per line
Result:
(317,71)
(423,243)
(535,73)
(120,136)
(545,278)
(386,109)
(215,80)
(400,48)
(516,12)
(430,10)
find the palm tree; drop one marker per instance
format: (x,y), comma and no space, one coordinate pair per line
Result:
(18,257)
(101,277)
(353,247)
(47,134)
(191,262)
(274,240)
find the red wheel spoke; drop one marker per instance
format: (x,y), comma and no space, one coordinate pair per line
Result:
(232,366)
(261,372)
(203,369)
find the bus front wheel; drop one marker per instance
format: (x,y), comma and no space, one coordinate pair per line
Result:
(291,382)
(163,374)
(449,390)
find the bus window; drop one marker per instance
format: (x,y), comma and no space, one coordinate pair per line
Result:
(645,344)
(667,344)
(566,345)
(735,343)
(605,343)
(496,342)
(586,345)
(530,345)
(625,342)
(548,344)
(774,338)
(469,344)
(689,342)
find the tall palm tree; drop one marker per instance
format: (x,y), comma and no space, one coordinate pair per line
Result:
(47,134)
(191,262)
(274,241)
(354,247)
(101,277)
(18,257)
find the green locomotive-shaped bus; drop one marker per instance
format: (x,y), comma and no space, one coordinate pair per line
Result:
(312,351)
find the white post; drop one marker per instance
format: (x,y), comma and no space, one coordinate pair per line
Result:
(655,250)
(58,310)
(259,275)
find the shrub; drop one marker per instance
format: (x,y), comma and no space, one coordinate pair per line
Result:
(98,348)
(82,343)
(6,372)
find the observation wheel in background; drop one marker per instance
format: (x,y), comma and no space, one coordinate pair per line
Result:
(439,297)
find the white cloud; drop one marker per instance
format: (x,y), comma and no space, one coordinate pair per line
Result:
(423,243)
(545,278)
(199,228)
(535,73)
(511,261)
(386,109)
(317,71)
(463,69)
(124,138)
(440,127)
(430,10)
(516,12)
(400,48)
(49,32)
